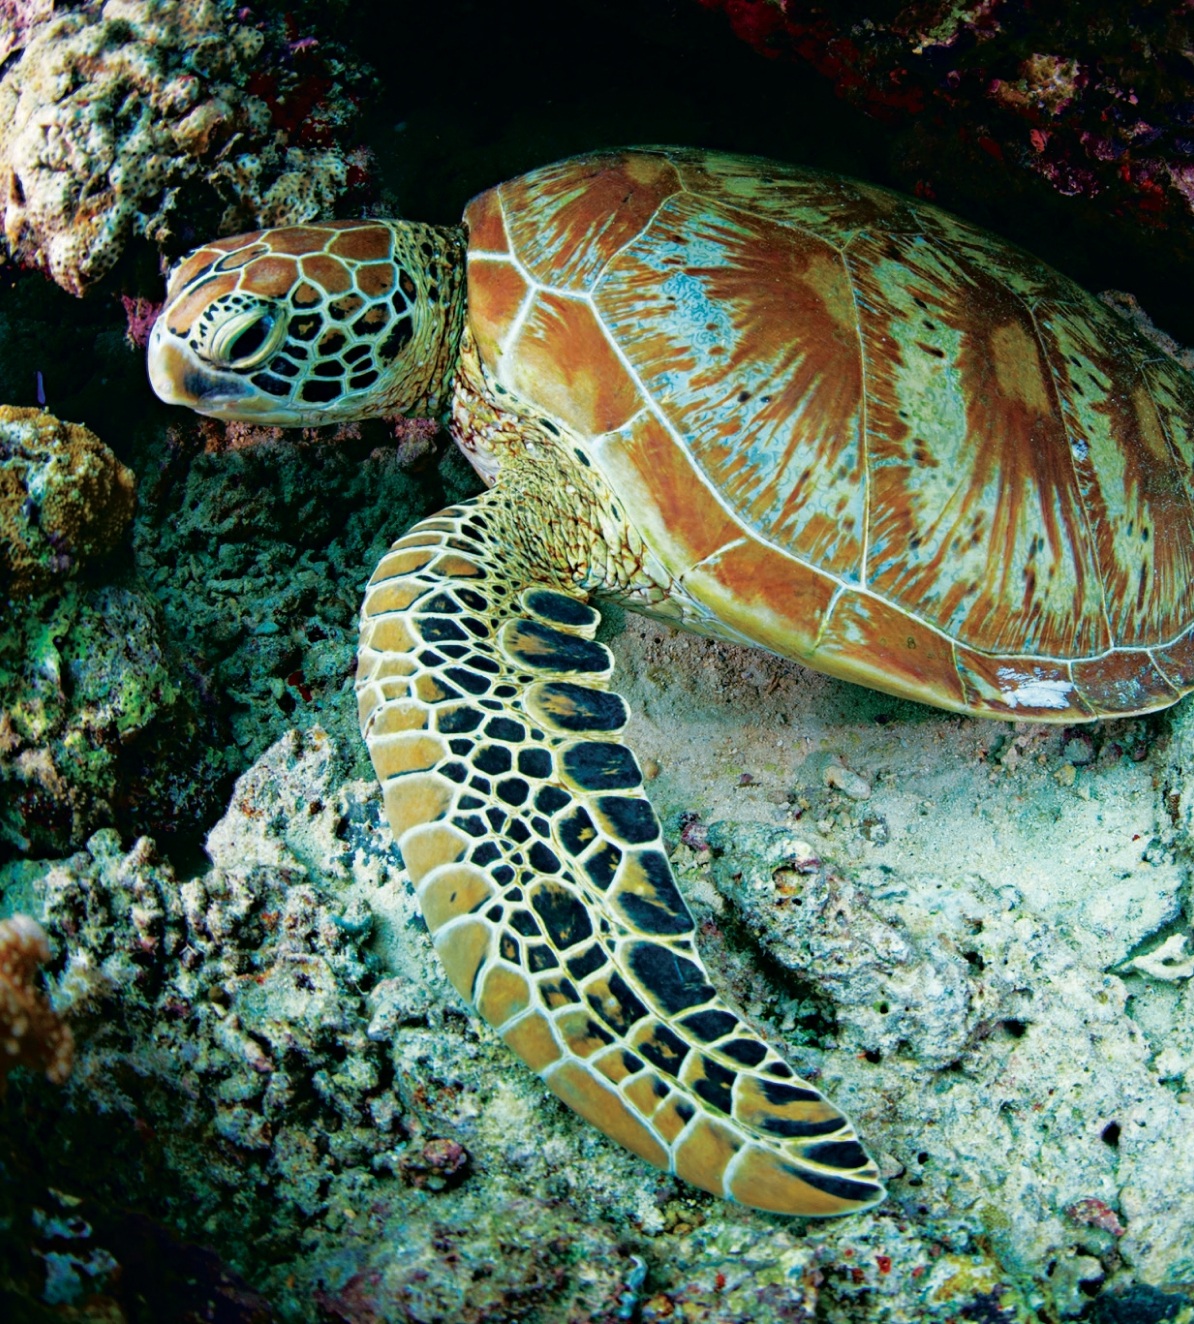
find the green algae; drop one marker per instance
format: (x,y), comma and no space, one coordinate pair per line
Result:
(99,724)
(133,697)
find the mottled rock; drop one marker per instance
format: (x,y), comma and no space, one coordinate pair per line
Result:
(339,1127)
(1095,104)
(959,983)
(32,1034)
(99,725)
(887,991)
(258,556)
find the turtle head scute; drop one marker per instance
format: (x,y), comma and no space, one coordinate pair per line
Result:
(304,324)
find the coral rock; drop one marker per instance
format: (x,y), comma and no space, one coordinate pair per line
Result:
(1001,106)
(31,1032)
(64,497)
(16,18)
(89,699)
(114,114)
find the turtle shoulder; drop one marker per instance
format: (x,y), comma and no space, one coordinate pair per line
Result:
(861,432)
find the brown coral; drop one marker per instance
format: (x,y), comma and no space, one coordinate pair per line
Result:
(64,497)
(114,111)
(31,1032)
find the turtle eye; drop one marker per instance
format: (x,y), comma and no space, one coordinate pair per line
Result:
(246,339)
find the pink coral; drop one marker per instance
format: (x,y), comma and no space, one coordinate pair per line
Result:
(142,313)
(1095,104)
(31,1032)
(1094,1213)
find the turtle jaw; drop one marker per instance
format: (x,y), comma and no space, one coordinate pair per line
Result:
(179,377)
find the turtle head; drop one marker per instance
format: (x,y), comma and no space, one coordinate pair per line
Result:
(313,324)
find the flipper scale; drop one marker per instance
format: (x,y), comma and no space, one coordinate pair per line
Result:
(541,872)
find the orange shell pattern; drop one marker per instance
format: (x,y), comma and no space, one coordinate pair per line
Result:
(859,431)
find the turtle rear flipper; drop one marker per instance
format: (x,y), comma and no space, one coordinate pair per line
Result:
(541,873)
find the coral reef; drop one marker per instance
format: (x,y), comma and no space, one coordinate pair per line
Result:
(135,702)
(142,313)
(149,118)
(250,980)
(85,683)
(64,498)
(257,548)
(16,18)
(32,1034)
(1091,106)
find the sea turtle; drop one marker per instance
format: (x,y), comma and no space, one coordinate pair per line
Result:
(766,404)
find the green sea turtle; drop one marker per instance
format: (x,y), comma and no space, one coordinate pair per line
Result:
(766,404)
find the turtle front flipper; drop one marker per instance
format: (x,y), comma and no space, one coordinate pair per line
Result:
(541,872)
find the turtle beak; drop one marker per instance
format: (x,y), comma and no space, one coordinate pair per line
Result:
(178,379)
(167,369)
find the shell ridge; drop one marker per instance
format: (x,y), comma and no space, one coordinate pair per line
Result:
(1088,523)
(1165,418)
(599,275)
(863,422)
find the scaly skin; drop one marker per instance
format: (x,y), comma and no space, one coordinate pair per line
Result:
(541,871)
(313,324)
(520,815)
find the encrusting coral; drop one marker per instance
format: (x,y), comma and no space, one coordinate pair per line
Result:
(113,112)
(16,18)
(64,497)
(32,1034)
(89,687)
(133,693)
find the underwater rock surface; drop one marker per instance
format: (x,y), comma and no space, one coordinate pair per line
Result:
(93,717)
(257,544)
(64,498)
(85,682)
(32,1034)
(131,695)
(274,1049)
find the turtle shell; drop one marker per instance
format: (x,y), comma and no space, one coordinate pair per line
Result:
(860,432)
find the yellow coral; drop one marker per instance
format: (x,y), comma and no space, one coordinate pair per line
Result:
(31,1033)
(64,497)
